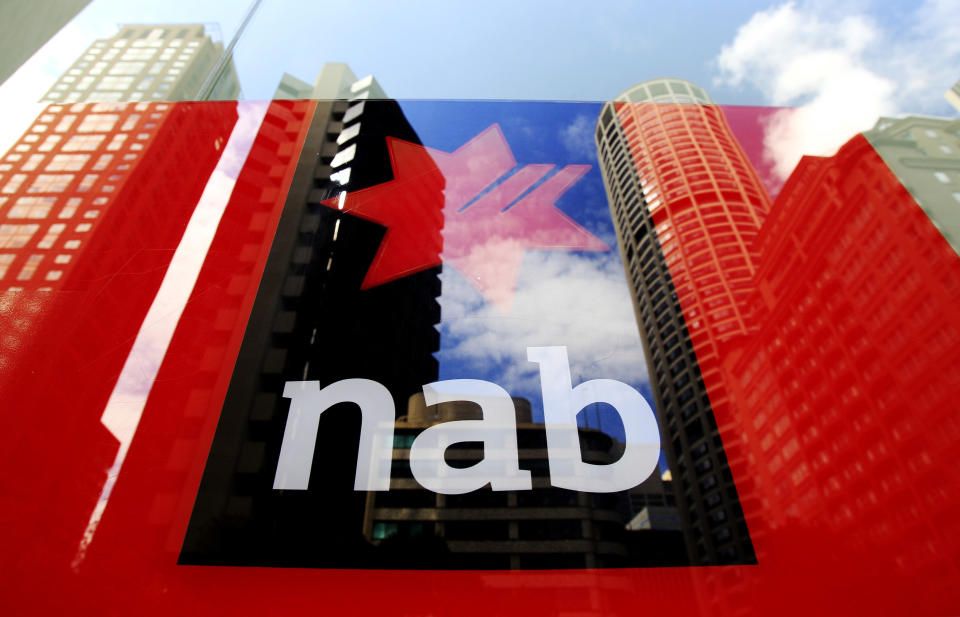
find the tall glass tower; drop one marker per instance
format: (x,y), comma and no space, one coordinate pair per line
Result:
(687,204)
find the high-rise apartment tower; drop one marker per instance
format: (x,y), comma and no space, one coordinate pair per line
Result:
(151,62)
(687,204)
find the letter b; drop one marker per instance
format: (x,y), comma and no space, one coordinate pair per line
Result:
(562,402)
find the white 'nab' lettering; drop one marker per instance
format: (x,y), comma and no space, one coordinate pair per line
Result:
(499,466)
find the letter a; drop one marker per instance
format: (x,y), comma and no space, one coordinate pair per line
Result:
(562,402)
(307,402)
(498,432)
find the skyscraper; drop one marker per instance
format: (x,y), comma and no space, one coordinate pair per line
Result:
(297,331)
(150,62)
(93,207)
(90,196)
(334,81)
(687,205)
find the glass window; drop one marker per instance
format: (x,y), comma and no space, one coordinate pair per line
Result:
(50,238)
(31,208)
(82,143)
(33,262)
(5,261)
(95,123)
(68,162)
(127,68)
(16,236)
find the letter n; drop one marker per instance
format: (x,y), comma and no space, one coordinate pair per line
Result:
(307,402)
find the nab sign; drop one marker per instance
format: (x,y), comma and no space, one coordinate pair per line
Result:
(499,467)
(385,409)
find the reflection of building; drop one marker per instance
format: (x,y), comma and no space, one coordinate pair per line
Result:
(59,180)
(312,321)
(652,504)
(146,63)
(953,95)
(92,208)
(62,182)
(335,81)
(924,154)
(654,532)
(545,527)
(687,206)
(26,26)
(850,379)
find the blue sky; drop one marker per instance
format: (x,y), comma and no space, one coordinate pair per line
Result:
(845,62)
(504,50)
(512,50)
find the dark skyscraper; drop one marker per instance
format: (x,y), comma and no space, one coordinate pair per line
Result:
(313,320)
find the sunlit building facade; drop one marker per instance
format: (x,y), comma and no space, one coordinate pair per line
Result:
(79,174)
(154,62)
(924,154)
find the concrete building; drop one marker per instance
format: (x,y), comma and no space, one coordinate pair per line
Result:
(687,204)
(924,154)
(26,25)
(335,81)
(155,62)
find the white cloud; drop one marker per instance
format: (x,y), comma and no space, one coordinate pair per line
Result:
(842,70)
(569,299)
(577,137)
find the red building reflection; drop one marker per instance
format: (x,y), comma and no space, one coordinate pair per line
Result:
(827,332)
(94,204)
(846,386)
(61,179)
(73,193)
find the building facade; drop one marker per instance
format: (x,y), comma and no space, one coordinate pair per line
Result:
(335,81)
(687,206)
(545,527)
(856,312)
(154,62)
(60,182)
(313,276)
(924,154)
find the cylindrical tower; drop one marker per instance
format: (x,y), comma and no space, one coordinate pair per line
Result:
(687,205)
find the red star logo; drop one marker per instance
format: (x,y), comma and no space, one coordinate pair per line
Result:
(484,241)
